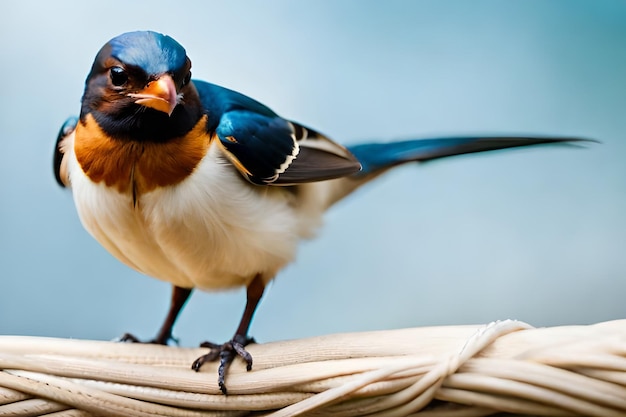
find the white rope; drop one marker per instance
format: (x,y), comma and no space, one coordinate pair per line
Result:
(446,371)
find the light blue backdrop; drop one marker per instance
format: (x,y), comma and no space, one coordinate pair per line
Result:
(538,235)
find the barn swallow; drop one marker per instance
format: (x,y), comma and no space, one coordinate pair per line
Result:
(203,187)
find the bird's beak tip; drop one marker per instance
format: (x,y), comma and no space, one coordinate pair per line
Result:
(159,94)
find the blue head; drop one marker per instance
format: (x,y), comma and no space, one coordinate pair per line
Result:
(153,52)
(144,71)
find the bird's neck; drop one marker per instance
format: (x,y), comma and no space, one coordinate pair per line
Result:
(138,166)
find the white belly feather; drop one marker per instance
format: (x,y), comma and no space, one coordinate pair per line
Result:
(210,231)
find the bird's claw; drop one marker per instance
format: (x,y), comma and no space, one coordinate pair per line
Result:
(127,338)
(226,353)
(130,338)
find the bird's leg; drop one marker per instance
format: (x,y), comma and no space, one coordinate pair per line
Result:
(179,298)
(236,346)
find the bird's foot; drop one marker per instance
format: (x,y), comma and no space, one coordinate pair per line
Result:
(130,338)
(227,353)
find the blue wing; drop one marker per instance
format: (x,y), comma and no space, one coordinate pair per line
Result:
(267,149)
(270,150)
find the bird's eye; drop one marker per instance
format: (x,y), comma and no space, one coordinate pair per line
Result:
(187,79)
(118,76)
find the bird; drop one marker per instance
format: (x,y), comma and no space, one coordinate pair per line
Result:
(206,188)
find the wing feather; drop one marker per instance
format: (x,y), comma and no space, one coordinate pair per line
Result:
(267,149)
(58,163)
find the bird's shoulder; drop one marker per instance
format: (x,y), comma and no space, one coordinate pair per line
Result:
(217,100)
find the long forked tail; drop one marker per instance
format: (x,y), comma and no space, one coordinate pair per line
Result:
(377,158)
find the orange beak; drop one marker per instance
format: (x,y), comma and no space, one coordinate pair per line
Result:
(159,94)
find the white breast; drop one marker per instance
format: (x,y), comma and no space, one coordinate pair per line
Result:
(211,231)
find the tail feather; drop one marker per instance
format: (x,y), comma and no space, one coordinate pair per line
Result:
(377,158)
(380,156)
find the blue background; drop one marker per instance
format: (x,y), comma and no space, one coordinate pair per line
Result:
(538,234)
